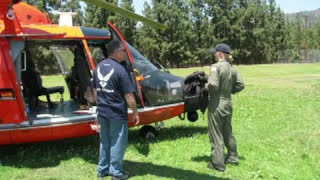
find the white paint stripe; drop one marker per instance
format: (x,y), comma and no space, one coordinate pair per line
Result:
(63,121)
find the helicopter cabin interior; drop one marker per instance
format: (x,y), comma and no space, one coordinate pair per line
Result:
(54,76)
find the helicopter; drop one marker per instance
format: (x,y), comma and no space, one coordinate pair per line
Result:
(77,50)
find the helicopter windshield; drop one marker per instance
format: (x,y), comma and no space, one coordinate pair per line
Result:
(158,87)
(99,53)
(143,65)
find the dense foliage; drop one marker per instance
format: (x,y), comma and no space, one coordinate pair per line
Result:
(257,30)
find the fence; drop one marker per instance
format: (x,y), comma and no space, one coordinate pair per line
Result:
(293,56)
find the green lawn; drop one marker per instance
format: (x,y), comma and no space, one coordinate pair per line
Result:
(276,123)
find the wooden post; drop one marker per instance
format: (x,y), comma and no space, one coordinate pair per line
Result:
(306,40)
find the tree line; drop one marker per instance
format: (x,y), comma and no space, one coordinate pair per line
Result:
(257,30)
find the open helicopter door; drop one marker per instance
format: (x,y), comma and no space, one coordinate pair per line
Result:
(11,104)
(117,35)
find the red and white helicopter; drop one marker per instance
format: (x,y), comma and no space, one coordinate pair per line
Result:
(77,50)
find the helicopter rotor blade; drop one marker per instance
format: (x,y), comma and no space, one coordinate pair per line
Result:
(125,12)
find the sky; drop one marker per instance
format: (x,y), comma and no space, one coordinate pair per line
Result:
(291,6)
(138,5)
(288,6)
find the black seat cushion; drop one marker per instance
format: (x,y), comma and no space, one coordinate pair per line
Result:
(51,90)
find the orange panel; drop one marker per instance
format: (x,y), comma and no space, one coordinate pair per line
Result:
(31,135)
(159,114)
(5,138)
(76,130)
(46,134)
(28,14)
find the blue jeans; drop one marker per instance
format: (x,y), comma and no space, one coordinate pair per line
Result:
(113,144)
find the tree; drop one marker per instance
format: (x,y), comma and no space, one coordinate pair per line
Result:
(255,29)
(126,26)
(238,32)
(275,32)
(147,39)
(220,14)
(169,46)
(298,32)
(317,32)
(252,23)
(199,37)
(99,17)
(73,6)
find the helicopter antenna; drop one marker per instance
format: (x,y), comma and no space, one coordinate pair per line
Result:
(65,18)
(10,14)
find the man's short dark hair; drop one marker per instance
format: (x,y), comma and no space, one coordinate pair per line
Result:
(113,46)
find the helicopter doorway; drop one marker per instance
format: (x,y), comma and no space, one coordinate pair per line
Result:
(56,80)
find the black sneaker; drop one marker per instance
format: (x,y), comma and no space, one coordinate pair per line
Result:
(212,166)
(232,162)
(102,177)
(124,175)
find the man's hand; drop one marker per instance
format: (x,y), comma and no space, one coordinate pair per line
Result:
(135,118)
(132,104)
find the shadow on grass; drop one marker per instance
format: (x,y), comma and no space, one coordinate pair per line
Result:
(141,168)
(170,133)
(208,158)
(52,153)
(165,134)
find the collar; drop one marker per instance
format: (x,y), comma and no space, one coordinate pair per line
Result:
(222,60)
(113,59)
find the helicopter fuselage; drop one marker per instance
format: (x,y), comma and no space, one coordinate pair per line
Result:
(26,35)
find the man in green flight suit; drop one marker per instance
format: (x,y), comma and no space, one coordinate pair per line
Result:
(223,81)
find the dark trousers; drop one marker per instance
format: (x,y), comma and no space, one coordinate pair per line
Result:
(220,135)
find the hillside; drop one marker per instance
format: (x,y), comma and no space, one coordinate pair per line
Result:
(313,16)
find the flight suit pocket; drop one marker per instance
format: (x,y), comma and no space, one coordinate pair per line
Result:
(224,109)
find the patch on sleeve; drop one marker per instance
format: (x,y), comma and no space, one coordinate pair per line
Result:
(213,69)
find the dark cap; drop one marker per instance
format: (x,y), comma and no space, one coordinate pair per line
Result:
(221,47)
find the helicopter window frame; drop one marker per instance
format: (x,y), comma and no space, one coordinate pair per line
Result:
(23,56)
(60,43)
(98,48)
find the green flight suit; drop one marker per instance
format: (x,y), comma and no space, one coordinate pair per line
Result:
(223,81)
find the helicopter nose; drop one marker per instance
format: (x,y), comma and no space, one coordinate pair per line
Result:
(160,88)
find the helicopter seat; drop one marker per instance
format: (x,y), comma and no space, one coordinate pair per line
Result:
(51,90)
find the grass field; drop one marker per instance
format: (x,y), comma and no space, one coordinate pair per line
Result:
(276,123)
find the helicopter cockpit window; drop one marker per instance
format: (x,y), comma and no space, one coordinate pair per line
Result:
(98,50)
(99,53)
(140,63)
(65,58)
